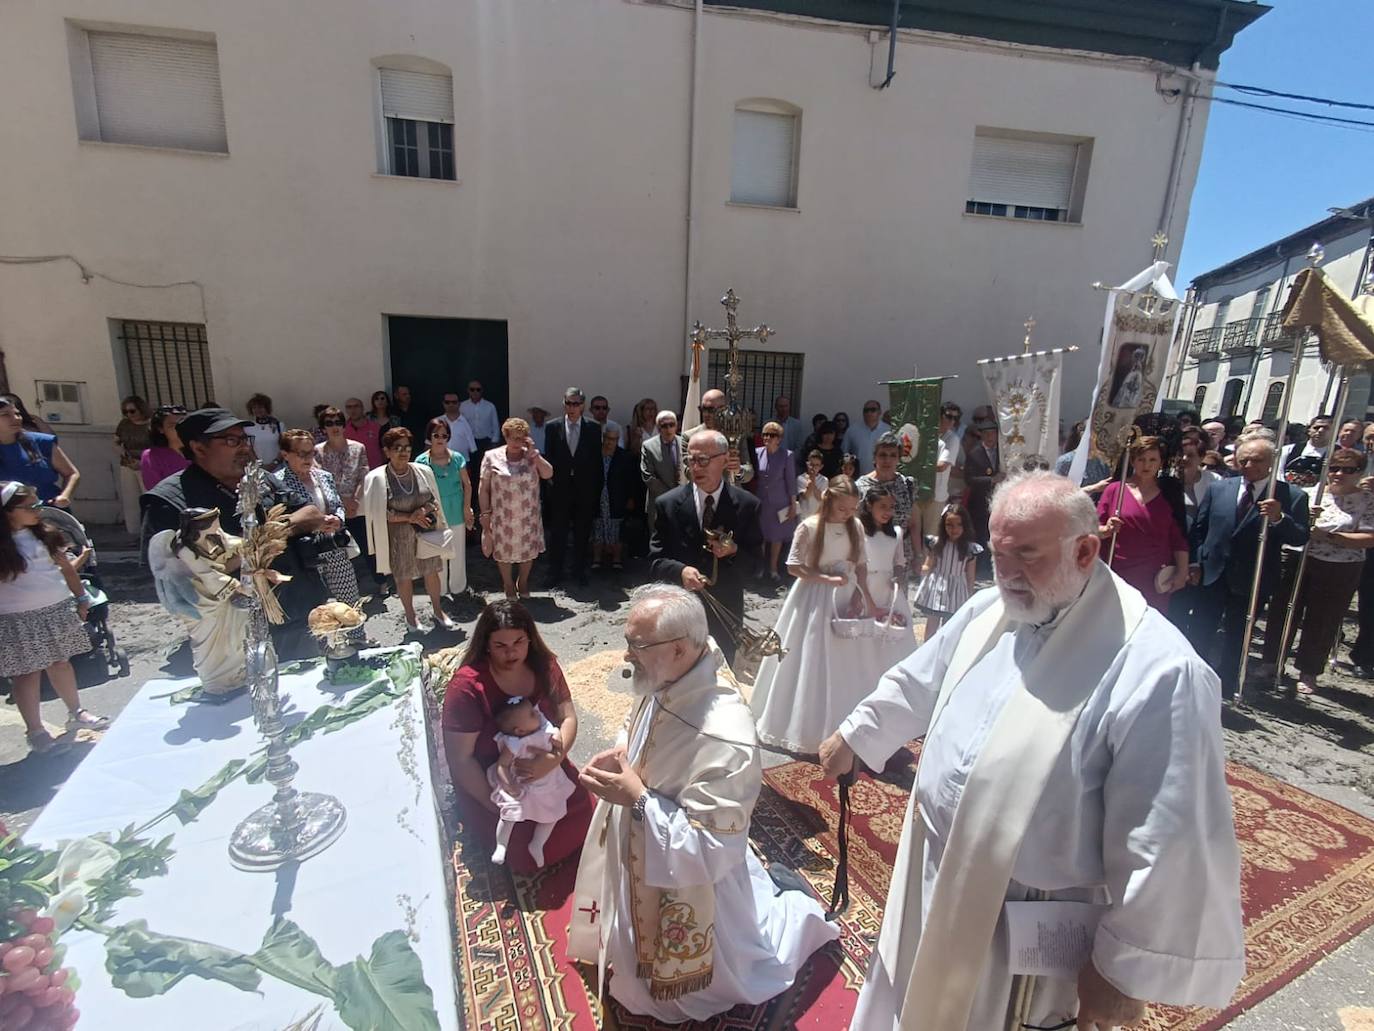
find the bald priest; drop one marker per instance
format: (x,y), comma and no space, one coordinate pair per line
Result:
(1071,792)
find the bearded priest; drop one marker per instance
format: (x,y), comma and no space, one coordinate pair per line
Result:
(669,894)
(1071,790)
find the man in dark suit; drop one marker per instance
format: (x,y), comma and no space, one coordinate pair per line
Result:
(679,551)
(573,447)
(982,472)
(1225,546)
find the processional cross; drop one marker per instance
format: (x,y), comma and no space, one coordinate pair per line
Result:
(733,421)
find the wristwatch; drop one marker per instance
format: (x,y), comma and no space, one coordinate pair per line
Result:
(637,809)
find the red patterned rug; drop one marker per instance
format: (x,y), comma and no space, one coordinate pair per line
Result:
(1307,887)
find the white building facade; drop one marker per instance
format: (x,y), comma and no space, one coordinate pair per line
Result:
(316,200)
(1237,358)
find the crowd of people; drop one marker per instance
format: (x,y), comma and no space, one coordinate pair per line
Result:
(1081,759)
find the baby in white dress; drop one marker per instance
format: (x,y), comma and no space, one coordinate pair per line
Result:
(523,730)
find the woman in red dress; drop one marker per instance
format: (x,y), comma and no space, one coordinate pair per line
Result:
(507,659)
(1148,528)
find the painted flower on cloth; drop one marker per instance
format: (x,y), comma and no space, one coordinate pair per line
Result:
(81,864)
(678,936)
(910,436)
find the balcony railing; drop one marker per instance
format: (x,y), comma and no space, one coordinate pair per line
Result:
(1205,343)
(1241,336)
(1275,337)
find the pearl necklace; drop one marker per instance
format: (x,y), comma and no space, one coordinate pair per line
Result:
(400,484)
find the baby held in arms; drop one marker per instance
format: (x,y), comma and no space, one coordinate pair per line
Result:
(523,731)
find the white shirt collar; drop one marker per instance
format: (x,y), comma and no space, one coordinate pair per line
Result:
(1261,488)
(699,497)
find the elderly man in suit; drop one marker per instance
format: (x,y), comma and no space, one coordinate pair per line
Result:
(713,403)
(1225,547)
(573,448)
(662,462)
(680,551)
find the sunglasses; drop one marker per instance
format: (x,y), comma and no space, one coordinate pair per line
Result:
(130,411)
(766,436)
(1344,469)
(870,411)
(333,422)
(573,404)
(474,390)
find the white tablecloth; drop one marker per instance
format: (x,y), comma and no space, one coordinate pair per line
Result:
(386,872)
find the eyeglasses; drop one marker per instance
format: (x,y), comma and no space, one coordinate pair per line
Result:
(333,422)
(474,390)
(768,435)
(702,461)
(234,440)
(870,411)
(639,647)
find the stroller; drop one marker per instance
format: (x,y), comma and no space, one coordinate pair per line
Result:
(105,660)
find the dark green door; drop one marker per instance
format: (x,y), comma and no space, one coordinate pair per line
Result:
(435,356)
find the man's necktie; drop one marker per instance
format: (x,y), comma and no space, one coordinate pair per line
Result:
(708,513)
(1247,502)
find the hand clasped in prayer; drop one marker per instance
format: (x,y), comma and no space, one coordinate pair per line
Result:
(610,776)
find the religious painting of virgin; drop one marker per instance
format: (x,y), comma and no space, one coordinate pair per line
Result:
(1128,377)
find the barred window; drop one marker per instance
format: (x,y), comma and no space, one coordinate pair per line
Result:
(767,375)
(168,362)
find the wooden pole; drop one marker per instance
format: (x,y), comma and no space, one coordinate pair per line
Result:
(1341,391)
(1130,435)
(1274,474)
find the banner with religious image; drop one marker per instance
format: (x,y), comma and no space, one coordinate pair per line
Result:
(915,405)
(1138,331)
(1024,391)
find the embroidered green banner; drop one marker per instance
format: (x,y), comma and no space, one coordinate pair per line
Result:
(915,405)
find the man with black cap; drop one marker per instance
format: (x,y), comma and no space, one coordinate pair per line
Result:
(219,449)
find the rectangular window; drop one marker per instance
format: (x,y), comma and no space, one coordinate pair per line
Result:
(418,108)
(767,375)
(168,362)
(764,157)
(152,91)
(1038,179)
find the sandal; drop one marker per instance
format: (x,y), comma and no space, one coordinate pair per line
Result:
(83,720)
(1306,688)
(43,743)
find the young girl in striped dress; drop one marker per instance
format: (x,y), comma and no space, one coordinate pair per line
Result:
(947,575)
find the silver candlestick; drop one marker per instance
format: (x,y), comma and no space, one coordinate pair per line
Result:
(295,825)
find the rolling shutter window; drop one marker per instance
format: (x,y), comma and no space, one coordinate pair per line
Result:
(417,95)
(1032,173)
(765,145)
(158,92)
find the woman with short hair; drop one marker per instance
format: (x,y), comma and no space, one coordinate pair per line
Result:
(265,431)
(513,529)
(130,441)
(775,479)
(455,497)
(306,483)
(346,461)
(163,456)
(507,659)
(401,501)
(887,455)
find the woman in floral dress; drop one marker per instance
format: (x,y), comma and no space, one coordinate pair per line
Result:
(513,530)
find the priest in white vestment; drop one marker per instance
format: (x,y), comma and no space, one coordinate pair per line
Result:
(669,895)
(1073,751)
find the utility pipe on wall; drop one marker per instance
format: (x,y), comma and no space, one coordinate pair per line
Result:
(689,283)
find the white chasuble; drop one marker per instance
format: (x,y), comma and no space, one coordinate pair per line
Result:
(677,905)
(1133,814)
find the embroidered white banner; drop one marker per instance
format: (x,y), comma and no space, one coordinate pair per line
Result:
(1138,331)
(1024,391)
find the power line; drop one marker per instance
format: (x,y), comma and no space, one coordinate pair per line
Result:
(1307,116)
(1262,91)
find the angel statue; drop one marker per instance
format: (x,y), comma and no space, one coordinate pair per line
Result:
(195,572)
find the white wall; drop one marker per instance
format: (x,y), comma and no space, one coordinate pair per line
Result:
(569,217)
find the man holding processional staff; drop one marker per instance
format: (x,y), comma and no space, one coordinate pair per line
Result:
(1071,784)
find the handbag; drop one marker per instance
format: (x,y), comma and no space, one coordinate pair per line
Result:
(435,544)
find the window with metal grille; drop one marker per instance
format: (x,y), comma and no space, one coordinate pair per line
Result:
(767,375)
(168,362)
(1273,397)
(1199,395)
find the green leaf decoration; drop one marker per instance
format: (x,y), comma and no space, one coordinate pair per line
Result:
(143,964)
(386,991)
(291,955)
(403,669)
(192,803)
(138,858)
